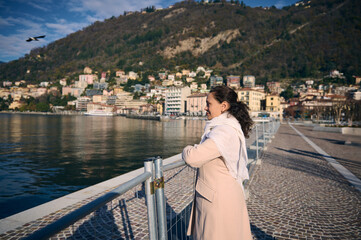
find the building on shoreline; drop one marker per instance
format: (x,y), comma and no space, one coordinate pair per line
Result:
(252,98)
(176,100)
(196,104)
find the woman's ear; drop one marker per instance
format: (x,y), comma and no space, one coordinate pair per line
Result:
(225,106)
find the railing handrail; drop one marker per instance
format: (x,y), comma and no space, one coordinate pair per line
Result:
(170,166)
(72,217)
(90,207)
(261,120)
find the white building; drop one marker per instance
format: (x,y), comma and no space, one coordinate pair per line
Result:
(356,95)
(192,74)
(62,82)
(167,82)
(178,83)
(194,86)
(200,69)
(132,75)
(176,100)
(44,84)
(171,77)
(157,93)
(249,81)
(81,84)
(81,103)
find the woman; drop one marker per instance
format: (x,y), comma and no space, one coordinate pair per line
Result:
(219,209)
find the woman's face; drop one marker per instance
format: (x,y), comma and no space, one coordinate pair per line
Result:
(213,107)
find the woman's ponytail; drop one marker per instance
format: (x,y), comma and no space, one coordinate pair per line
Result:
(239,110)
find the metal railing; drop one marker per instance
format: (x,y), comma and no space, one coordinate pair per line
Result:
(167,204)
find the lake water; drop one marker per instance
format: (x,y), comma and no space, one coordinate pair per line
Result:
(44,157)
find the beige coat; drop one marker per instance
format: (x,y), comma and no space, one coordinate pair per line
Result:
(219,210)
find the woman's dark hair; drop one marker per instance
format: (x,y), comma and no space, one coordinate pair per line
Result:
(237,109)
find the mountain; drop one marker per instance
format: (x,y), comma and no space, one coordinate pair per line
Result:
(307,40)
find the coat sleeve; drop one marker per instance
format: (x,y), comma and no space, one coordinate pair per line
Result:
(198,155)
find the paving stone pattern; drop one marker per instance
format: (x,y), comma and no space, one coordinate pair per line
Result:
(123,218)
(346,149)
(293,194)
(296,194)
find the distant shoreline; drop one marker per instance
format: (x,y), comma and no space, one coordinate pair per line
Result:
(42,113)
(143,117)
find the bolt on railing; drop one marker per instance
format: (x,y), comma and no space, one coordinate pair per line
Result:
(159,193)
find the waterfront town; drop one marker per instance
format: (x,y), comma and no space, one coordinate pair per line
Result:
(181,93)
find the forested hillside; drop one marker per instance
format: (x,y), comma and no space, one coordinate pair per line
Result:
(307,40)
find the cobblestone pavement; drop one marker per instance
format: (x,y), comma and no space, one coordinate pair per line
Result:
(296,194)
(123,218)
(346,149)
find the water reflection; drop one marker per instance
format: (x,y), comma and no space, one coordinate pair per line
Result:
(45,157)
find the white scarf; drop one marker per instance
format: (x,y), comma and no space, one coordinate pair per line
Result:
(234,154)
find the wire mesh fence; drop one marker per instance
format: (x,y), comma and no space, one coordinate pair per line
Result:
(126,216)
(179,194)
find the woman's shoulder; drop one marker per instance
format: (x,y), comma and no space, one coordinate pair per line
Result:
(223,127)
(224,130)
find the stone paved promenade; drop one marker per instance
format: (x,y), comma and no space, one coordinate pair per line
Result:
(296,194)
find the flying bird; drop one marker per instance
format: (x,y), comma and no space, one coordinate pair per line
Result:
(34,38)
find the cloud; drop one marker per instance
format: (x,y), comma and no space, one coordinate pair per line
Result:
(62,27)
(15,45)
(19,22)
(5,22)
(24,24)
(107,8)
(92,19)
(31,16)
(280,4)
(35,5)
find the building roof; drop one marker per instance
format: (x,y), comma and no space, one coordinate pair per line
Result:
(250,89)
(197,95)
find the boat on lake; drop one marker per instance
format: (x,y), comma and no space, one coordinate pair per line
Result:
(100,112)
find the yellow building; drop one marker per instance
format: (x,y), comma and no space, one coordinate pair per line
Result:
(252,98)
(160,108)
(273,103)
(16,104)
(357,80)
(99,99)
(118,90)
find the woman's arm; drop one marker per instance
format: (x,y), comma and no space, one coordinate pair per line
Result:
(198,155)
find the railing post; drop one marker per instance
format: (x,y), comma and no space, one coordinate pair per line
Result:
(264,137)
(257,141)
(269,129)
(159,194)
(149,194)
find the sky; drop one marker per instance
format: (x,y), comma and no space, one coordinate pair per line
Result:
(21,19)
